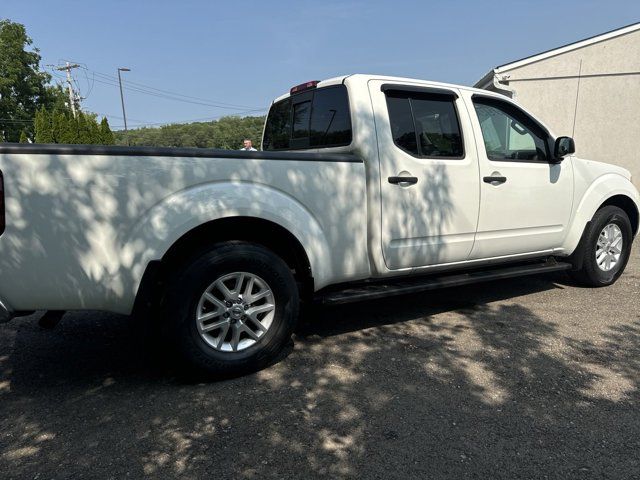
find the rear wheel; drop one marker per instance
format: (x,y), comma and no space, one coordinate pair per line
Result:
(232,309)
(606,248)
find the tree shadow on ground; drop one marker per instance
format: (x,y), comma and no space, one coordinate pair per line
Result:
(458,383)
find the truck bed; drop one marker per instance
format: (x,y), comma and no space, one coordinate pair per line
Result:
(82,222)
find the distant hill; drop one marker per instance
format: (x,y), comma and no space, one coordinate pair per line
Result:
(227,133)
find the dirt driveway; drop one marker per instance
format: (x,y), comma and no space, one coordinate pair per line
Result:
(528,378)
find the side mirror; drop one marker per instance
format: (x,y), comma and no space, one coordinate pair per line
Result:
(564,146)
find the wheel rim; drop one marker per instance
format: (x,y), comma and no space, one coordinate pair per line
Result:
(609,247)
(235,312)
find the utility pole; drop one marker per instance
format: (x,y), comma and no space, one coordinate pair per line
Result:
(124,115)
(72,96)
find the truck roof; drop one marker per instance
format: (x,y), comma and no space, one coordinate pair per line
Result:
(366,77)
(323,83)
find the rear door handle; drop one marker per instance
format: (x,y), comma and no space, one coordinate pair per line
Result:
(399,180)
(494,179)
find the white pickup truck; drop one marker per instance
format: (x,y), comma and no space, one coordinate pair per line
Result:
(367,186)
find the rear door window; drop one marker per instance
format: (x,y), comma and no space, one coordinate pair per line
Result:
(402,127)
(425,124)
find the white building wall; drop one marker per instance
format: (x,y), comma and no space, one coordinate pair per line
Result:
(591,93)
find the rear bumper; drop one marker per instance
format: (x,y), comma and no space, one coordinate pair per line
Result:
(6,312)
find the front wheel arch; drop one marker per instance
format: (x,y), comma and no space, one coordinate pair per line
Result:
(628,206)
(585,269)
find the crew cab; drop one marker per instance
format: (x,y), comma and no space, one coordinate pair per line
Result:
(366,186)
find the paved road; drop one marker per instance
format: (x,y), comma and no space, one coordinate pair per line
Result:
(528,378)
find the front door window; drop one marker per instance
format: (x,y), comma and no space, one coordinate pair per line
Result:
(508,133)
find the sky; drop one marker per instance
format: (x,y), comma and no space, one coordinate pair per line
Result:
(199,60)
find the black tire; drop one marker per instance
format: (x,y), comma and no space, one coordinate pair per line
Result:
(186,287)
(589,273)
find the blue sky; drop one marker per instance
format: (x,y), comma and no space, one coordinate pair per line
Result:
(242,54)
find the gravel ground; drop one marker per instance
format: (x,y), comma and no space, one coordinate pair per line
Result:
(526,378)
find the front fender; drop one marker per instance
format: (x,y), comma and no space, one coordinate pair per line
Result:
(600,190)
(162,225)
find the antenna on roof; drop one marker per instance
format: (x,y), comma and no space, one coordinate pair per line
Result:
(575,110)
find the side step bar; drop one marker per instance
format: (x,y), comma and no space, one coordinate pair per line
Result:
(378,289)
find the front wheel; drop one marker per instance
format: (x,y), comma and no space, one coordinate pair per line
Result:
(606,248)
(232,309)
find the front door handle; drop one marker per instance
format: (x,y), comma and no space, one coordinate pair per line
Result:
(399,180)
(494,179)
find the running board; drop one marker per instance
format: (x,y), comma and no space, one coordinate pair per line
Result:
(373,290)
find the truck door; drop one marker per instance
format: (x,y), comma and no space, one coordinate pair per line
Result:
(429,174)
(526,199)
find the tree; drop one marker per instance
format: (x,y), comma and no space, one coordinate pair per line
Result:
(60,126)
(227,133)
(23,136)
(83,128)
(44,131)
(65,128)
(106,135)
(23,88)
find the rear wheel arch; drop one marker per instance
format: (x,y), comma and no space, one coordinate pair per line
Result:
(229,310)
(241,229)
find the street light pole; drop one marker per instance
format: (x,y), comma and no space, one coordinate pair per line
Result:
(124,115)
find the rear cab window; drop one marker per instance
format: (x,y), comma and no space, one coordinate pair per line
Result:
(317,118)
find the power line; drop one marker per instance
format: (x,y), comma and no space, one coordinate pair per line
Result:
(127,86)
(146,90)
(136,120)
(15,120)
(170,93)
(89,85)
(141,88)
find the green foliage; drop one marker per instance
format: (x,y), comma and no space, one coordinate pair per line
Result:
(60,126)
(59,121)
(23,136)
(106,135)
(226,133)
(44,128)
(23,88)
